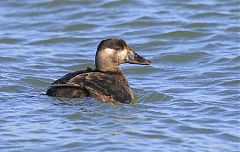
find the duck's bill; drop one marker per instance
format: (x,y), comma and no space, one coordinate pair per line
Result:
(134,58)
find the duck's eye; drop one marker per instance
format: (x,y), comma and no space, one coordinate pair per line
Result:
(118,48)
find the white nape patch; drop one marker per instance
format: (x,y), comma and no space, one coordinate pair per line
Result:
(109,51)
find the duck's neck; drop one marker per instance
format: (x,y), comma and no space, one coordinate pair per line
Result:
(109,69)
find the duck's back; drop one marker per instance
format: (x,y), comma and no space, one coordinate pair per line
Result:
(90,83)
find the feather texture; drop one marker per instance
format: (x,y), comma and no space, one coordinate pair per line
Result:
(105,86)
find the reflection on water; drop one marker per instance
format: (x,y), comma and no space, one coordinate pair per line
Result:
(187,99)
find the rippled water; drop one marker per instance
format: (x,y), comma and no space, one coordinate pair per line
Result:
(187,100)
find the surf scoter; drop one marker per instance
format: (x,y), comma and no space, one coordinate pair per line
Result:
(107,82)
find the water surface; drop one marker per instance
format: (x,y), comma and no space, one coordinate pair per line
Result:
(186,100)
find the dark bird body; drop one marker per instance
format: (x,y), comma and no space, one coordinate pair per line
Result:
(107,82)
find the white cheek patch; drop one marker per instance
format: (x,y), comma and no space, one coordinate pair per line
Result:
(109,51)
(123,54)
(119,55)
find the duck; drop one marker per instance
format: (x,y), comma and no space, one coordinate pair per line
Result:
(106,82)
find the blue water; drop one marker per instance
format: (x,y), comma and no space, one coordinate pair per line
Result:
(186,100)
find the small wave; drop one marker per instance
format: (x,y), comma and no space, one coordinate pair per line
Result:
(150,96)
(78,67)
(227,60)
(11,88)
(237,59)
(58,40)
(231,83)
(195,130)
(221,60)
(8,59)
(183,57)
(140,70)
(201,25)
(35,81)
(77,27)
(232,68)
(7,40)
(138,24)
(179,34)
(210,14)
(55,4)
(235,29)
(228,137)
(117,3)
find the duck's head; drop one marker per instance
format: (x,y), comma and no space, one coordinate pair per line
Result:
(113,52)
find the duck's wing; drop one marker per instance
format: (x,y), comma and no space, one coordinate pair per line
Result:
(102,86)
(59,88)
(105,87)
(67,91)
(64,79)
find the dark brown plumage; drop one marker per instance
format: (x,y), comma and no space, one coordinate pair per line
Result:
(107,82)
